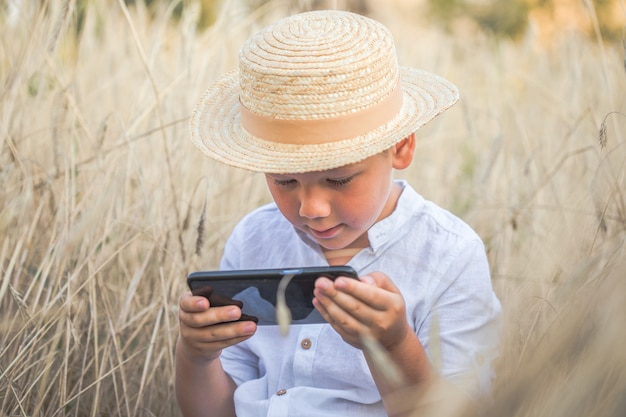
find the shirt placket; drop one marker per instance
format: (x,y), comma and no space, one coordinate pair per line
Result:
(308,335)
(305,353)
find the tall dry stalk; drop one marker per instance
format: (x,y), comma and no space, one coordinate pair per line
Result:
(96,169)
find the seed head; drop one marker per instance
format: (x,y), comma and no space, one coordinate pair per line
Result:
(602,134)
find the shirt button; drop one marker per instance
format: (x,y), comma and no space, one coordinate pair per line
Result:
(281,392)
(306,343)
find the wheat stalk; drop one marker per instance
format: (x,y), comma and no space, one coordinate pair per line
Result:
(91,250)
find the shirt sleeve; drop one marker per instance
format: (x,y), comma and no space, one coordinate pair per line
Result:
(240,363)
(464,321)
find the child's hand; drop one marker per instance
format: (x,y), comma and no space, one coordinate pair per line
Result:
(205,331)
(373,304)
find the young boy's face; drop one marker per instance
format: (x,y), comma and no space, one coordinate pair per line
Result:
(336,207)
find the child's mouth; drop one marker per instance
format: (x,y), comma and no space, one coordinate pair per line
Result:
(325,234)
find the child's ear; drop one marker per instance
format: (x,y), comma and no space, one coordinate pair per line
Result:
(403,152)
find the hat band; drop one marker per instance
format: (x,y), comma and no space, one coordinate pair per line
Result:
(317,131)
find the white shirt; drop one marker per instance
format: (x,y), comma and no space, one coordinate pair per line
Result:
(438,263)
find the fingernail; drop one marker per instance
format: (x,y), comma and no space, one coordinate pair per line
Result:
(249,328)
(233,313)
(322,283)
(340,283)
(318,295)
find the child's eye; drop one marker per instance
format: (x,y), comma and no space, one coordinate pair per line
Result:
(284,183)
(338,182)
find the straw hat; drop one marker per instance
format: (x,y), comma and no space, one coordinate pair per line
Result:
(315,91)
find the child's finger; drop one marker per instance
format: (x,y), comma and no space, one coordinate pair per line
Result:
(209,317)
(192,304)
(208,341)
(326,301)
(325,286)
(349,291)
(339,319)
(327,292)
(343,307)
(319,305)
(224,333)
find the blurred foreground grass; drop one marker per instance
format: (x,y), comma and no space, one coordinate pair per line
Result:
(105,204)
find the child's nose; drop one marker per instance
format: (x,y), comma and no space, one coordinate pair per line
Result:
(314,205)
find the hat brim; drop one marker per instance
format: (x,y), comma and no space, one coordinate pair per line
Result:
(216,129)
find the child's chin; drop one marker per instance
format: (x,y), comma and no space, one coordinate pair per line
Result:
(335,244)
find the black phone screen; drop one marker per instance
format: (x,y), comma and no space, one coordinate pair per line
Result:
(255,291)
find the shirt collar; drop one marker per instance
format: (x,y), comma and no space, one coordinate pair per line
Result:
(386,229)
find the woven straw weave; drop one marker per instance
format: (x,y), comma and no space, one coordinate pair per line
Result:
(309,69)
(315,66)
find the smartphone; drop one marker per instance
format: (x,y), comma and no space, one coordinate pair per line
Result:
(255,291)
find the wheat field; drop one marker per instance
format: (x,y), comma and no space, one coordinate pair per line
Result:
(105,205)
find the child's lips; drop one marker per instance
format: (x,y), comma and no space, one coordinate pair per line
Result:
(326,233)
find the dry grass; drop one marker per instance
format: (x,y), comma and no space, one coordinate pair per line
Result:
(103,197)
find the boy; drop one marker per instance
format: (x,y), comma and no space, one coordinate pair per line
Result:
(320,106)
